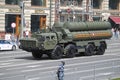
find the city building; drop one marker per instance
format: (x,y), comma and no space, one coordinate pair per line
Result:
(82,10)
(36,15)
(39,14)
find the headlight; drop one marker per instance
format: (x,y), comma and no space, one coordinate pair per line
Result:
(42,45)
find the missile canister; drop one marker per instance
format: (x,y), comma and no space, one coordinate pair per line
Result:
(89,30)
(57,26)
(87,26)
(86,30)
(91,35)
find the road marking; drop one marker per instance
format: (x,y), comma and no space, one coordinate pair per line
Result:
(114,44)
(34,66)
(93,62)
(1,74)
(34,78)
(105,74)
(5,64)
(48,61)
(11,52)
(76,58)
(40,69)
(17,55)
(9,61)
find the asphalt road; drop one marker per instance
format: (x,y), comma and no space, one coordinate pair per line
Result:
(20,65)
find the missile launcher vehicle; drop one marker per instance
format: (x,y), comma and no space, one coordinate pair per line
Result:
(68,39)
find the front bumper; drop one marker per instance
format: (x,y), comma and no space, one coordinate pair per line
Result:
(29,44)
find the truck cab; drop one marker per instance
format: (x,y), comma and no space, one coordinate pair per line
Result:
(49,40)
(39,41)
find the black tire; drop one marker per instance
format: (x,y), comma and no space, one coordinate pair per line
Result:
(48,53)
(36,54)
(89,50)
(70,51)
(101,49)
(56,53)
(13,48)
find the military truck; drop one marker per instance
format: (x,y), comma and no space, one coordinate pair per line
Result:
(68,39)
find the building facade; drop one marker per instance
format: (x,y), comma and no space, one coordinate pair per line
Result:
(36,15)
(82,10)
(40,14)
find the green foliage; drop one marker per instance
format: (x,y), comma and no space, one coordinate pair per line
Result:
(116,79)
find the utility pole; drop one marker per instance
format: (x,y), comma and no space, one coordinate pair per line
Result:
(91,14)
(50,12)
(57,11)
(83,13)
(73,11)
(87,9)
(21,5)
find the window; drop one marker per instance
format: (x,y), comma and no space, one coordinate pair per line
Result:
(79,18)
(62,2)
(1,41)
(71,19)
(96,4)
(79,2)
(6,42)
(71,2)
(113,4)
(35,23)
(12,2)
(10,18)
(62,19)
(52,37)
(41,38)
(47,38)
(38,2)
(96,18)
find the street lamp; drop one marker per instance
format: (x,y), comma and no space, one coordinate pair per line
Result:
(73,12)
(50,12)
(21,5)
(60,11)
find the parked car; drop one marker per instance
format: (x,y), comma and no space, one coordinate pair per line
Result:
(8,45)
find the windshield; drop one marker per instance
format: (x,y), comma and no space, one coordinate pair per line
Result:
(41,38)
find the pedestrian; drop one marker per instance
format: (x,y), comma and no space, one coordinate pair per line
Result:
(60,71)
(26,33)
(12,37)
(116,33)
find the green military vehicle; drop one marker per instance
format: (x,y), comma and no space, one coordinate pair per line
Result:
(68,39)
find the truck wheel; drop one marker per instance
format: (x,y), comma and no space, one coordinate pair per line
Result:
(101,49)
(36,54)
(89,50)
(56,53)
(70,51)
